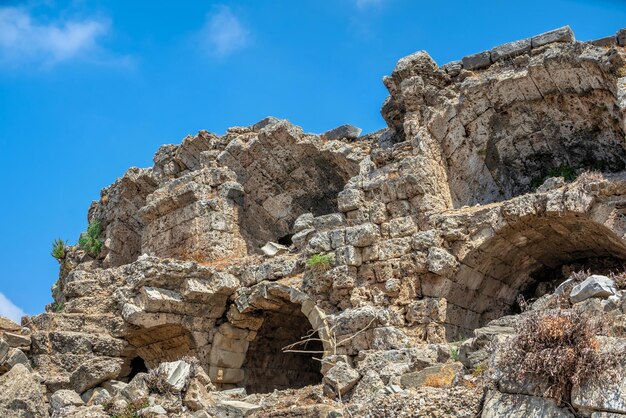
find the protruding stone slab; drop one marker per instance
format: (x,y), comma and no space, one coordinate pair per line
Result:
(607,41)
(510,50)
(477,61)
(344,131)
(563,34)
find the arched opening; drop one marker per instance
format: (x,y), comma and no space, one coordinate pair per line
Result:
(152,346)
(268,366)
(137,365)
(530,127)
(286,173)
(527,257)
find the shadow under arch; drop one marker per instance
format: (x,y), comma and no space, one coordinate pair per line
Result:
(248,350)
(505,265)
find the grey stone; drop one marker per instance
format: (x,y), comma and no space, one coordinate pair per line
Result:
(95,371)
(344,131)
(341,377)
(330,221)
(177,373)
(510,50)
(233,409)
(152,411)
(595,286)
(453,68)
(271,249)
(440,261)
(270,120)
(21,395)
(477,61)
(607,41)
(501,405)
(621,37)
(65,397)
(349,199)
(362,235)
(563,34)
(551,183)
(304,221)
(17,340)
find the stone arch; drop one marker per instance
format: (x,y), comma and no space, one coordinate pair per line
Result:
(504,260)
(284,174)
(153,345)
(247,349)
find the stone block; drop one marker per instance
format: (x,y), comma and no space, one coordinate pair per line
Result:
(563,34)
(607,41)
(510,50)
(477,61)
(362,235)
(343,132)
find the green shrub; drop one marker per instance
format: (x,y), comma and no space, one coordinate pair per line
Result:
(567,172)
(90,241)
(319,262)
(58,249)
(58,306)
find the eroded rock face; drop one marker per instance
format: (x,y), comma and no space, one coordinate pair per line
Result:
(21,394)
(255,251)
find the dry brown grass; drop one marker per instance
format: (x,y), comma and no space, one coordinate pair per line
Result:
(559,349)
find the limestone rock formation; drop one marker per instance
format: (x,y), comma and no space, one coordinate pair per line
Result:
(269,270)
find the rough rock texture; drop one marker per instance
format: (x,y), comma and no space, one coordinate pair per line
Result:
(497,176)
(21,394)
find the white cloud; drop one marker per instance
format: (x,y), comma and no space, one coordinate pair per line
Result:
(24,40)
(362,4)
(9,309)
(223,32)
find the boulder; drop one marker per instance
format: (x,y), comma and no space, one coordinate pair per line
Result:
(177,374)
(439,376)
(594,286)
(341,377)
(64,397)
(95,371)
(344,131)
(21,395)
(502,405)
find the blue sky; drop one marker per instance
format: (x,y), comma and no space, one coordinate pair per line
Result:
(90,88)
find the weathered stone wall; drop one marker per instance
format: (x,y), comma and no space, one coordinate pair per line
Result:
(411,261)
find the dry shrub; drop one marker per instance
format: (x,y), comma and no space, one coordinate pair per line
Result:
(619,279)
(559,349)
(157,381)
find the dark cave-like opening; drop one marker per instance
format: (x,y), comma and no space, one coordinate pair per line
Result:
(268,366)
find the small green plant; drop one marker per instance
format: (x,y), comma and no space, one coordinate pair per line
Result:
(455,349)
(479,369)
(90,241)
(319,262)
(567,172)
(58,306)
(58,249)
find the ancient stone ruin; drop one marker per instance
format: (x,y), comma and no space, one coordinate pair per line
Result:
(241,260)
